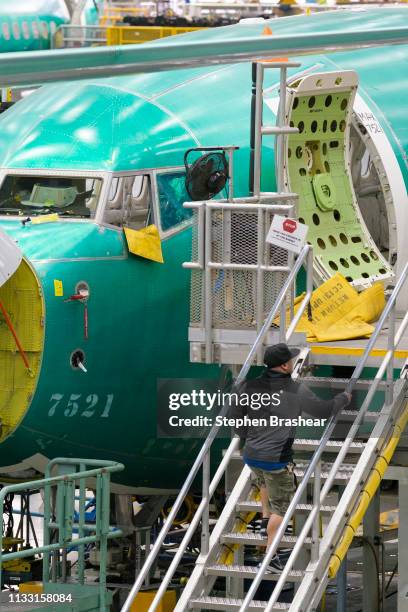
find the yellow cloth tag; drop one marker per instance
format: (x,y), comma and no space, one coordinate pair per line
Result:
(44,219)
(339,312)
(58,288)
(145,242)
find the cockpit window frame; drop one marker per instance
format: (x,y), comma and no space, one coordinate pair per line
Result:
(46,172)
(126,173)
(156,199)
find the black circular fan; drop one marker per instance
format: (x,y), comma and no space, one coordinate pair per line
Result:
(207,176)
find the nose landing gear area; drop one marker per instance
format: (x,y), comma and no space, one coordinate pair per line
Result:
(21,327)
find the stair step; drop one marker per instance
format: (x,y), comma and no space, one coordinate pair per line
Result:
(248,571)
(350,415)
(255,506)
(255,539)
(341,477)
(228,603)
(337,383)
(332,446)
(306,508)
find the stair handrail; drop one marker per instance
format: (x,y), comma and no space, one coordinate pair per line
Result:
(313,465)
(305,256)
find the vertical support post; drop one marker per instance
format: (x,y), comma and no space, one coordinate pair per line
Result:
(27,516)
(235,585)
(403,545)
(390,367)
(46,532)
(259,280)
(316,503)
(370,563)
(104,492)
(280,141)
(231,174)
(81,523)
(256,127)
(147,550)
(205,521)
(341,581)
(207,287)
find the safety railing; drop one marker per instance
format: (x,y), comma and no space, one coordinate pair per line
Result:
(58,522)
(203,458)
(79,36)
(236,273)
(314,468)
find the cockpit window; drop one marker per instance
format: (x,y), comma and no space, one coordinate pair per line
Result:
(172,195)
(37,195)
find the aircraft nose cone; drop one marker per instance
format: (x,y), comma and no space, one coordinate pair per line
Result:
(10,257)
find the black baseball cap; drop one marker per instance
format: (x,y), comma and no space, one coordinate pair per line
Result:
(278,354)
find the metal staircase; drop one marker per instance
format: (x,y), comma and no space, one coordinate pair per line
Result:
(353,464)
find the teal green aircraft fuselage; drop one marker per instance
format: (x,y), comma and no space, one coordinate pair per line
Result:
(99,133)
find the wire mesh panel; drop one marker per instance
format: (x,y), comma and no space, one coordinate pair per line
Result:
(245,272)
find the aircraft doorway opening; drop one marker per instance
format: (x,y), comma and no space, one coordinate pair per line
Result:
(372,189)
(22,301)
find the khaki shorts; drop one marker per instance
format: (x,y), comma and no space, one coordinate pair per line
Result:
(280,487)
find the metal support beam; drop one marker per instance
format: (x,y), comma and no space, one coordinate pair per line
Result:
(371,591)
(341,605)
(403,545)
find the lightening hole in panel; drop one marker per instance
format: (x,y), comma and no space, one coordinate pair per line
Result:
(316,219)
(333,241)
(343,238)
(333,265)
(344,262)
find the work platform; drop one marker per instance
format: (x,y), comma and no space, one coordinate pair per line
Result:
(348,352)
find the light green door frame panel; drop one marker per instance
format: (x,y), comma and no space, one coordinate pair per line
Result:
(318,169)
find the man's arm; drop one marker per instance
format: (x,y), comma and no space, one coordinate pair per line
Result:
(313,405)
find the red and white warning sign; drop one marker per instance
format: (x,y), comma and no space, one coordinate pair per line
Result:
(287,233)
